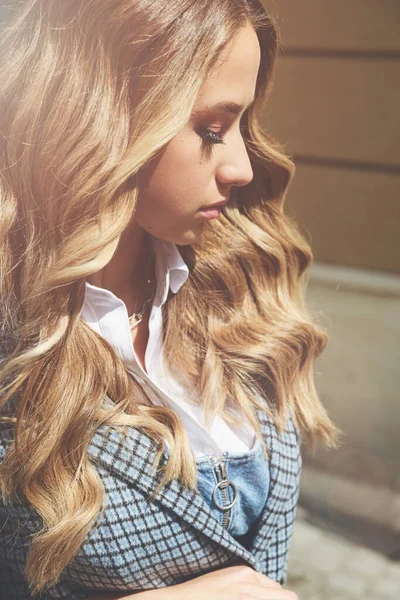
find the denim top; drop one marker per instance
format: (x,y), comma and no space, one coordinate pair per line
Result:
(239,503)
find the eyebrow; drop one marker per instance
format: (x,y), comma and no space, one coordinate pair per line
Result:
(231,107)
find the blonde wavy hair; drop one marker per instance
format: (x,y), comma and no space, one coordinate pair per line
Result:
(91,91)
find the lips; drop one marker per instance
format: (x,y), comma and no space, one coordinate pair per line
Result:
(216,205)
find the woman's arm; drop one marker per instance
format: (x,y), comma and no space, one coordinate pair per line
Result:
(112,596)
(136,595)
(231,583)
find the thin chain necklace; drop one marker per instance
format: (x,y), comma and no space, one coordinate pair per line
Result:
(137,316)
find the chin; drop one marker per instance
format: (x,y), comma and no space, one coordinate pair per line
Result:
(187,238)
(190,238)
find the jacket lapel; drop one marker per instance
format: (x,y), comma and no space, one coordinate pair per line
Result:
(285,466)
(269,514)
(132,457)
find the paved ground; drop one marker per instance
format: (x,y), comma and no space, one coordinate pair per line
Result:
(324,566)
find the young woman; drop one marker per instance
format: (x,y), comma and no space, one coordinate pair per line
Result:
(157,372)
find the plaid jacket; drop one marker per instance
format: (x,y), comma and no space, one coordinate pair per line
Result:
(141,544)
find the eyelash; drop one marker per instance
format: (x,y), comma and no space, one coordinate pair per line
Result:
(215,137)
(212,137)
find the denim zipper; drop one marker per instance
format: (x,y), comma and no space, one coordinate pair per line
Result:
(223,485)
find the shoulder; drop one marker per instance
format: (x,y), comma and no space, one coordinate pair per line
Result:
(106,548)
(19,522)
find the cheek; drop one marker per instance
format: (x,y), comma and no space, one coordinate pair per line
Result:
(181,166)
(177,180)
(172,189)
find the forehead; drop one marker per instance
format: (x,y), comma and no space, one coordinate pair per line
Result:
(234,77)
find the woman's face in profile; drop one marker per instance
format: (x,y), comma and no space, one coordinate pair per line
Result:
(190,173)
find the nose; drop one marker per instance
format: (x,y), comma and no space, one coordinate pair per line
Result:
(235,167)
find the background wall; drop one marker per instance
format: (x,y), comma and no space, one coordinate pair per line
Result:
(335,106)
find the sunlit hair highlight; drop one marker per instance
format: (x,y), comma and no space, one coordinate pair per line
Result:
(91,91)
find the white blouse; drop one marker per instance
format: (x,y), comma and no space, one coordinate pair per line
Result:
(107,314)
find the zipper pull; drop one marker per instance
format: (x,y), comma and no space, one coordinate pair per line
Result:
(223,484)
(222,475)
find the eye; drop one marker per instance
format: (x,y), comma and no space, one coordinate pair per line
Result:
(211,137)
(215,137)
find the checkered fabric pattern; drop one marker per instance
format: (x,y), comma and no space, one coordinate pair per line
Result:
(141,544)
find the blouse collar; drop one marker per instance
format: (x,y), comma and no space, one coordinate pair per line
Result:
(171,274)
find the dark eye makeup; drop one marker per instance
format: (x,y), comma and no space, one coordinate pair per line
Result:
(212,137)
(216,137)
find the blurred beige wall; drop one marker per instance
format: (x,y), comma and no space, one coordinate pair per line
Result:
(335,105)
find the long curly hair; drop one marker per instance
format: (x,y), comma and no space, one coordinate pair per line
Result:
(91,92)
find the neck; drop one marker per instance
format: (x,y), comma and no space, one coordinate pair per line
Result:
(121,275)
